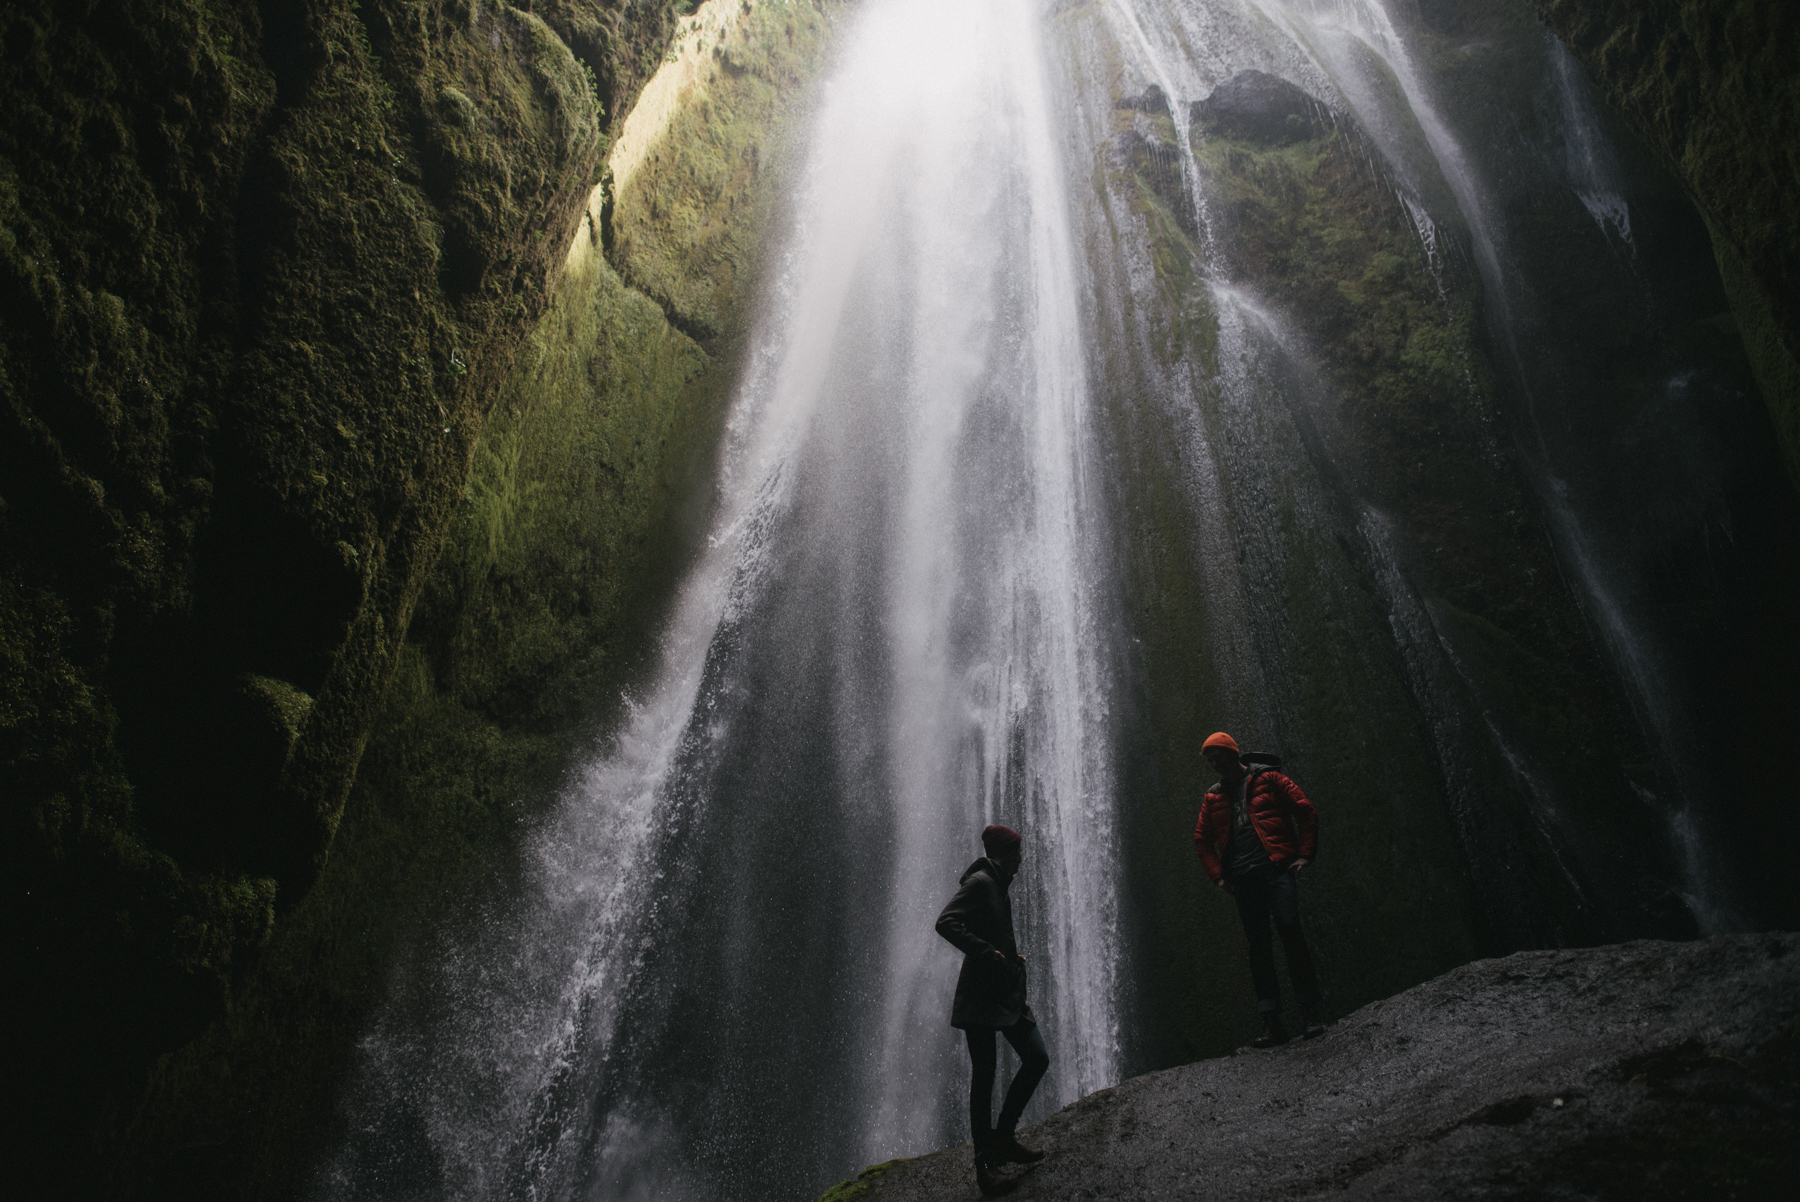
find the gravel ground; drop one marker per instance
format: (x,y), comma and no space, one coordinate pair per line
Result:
(1641,1071)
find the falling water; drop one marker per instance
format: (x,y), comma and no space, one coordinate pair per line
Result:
(1592,167)
(721,978)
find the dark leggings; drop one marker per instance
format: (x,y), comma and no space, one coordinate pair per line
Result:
(1034,1059)
(1265,893)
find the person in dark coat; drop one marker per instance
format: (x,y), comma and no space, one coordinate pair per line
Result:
(1257,832)
(990,1001)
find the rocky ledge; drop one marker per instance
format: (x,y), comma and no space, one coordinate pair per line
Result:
(1645,1070)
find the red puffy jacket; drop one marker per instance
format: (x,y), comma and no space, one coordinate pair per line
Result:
(1284,820)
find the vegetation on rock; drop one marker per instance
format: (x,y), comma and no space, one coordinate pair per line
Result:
(586,485)
(1432,670)
(266,272)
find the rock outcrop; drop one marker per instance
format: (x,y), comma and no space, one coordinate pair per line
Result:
(1262,109)
(1642,1070)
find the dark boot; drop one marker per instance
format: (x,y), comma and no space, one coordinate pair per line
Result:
(1008,1150)
(1310,1026)
(990,1180)
(1274,1034)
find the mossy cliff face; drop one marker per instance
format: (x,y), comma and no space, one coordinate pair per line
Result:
(267,269)
(1643,410)
(1409,415)
(1337,544)
(1710,84)
(1387,506)
(684,224)
(591,473)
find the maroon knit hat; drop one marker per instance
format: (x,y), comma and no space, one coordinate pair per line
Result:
(996,839)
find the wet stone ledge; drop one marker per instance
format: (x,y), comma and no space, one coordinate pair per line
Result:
(1642,1070)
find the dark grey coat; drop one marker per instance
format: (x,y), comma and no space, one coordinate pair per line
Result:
(978,920)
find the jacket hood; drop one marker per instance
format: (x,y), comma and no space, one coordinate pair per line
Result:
(983,864)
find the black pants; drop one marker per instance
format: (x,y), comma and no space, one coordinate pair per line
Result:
(1270,892)
(1034,1059)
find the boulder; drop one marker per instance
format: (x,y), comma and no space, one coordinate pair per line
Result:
(1263,109)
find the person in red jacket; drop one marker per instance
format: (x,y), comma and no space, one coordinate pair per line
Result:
(1257,832)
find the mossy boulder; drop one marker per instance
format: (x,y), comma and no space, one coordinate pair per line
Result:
(1263,109)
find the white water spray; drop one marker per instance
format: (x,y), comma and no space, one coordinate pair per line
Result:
(899,591)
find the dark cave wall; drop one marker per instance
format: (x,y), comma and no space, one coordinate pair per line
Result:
(1711,85)
(1416,416)
(591,475)
(560,535)
(265,270)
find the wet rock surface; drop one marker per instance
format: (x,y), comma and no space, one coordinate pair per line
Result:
(1263,109)
(1641,1070)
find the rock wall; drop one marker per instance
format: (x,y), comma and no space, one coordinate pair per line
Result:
(590,478)
(1438,682)
(291,305)
(1711,86)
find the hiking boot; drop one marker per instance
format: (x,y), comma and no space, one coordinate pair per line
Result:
(1311,1027)
(1274,1034)
(1007,1150)
(991,1181)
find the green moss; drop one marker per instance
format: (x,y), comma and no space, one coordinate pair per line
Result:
(560,553)
(1417,422)
(259,287)
(676,231)
(857,1186)
(553,534)
(1344,692)
(551,568)
(1384,402)
(1398,343)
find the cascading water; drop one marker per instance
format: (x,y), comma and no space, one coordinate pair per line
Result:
(722,977)
(1074,431)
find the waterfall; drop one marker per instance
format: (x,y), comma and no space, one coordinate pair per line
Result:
(722,972)
(1032,477)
